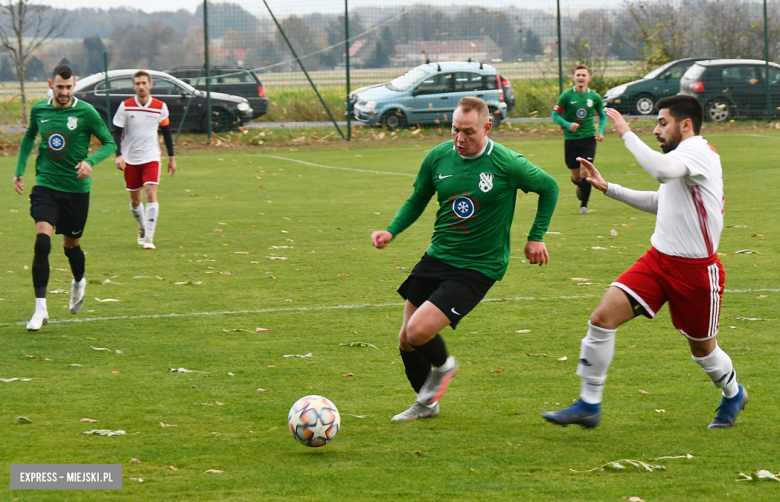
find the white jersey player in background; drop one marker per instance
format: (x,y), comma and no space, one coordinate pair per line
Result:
(138,153)
(681,268)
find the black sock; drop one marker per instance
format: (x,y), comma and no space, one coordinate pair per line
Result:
(584,191)
(77,262)
(434,351)
(417,368)
(40,264)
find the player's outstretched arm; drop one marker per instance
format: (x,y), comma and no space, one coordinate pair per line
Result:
(536,252)
(594,176)
(381,238)
(19,184)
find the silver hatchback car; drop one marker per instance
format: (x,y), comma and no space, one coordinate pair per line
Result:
(428,95)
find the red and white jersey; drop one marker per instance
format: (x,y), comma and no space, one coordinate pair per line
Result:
(140,122)
(690,209)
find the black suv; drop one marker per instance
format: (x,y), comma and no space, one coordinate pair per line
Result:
(233,80)
(730,88)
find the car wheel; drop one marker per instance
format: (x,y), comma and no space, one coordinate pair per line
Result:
(717,110)
(644,104)
(495,116)
(394,119)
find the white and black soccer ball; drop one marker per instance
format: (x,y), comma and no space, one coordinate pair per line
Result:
(314,421)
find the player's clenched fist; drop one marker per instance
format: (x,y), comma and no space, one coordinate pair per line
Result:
(381,238)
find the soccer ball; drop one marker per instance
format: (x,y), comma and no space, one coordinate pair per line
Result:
(314,421)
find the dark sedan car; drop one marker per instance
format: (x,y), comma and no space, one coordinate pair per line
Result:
(227,112)
(233,80)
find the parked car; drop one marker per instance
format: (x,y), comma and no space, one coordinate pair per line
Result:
(509,93)
(233,80)
(428,94)
(729,88)
(227,112)
(640,96)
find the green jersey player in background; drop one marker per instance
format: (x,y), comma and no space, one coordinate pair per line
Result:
(60,197)
(574,113)
(476,182)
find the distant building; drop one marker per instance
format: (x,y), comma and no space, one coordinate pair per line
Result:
(482,49)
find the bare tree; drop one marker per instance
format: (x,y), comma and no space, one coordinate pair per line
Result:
(661,31)
(24,27)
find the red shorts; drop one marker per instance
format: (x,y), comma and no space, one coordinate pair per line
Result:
(136,176)
(692,286)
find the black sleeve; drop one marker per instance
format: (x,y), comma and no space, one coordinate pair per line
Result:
(166,134)
(117,134)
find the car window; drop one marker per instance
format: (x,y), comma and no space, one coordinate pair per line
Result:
(739,73)
(679,70)
(438,83)
(774,74)
(489,82)
(468,81)
(164,87)
(406,81)
(237,77)
(117,86)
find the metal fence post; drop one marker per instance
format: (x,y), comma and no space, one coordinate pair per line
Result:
(766,63)
(108,90)
(560,50)
(206,54)
(346,57)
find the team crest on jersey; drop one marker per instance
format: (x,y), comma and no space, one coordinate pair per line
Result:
(590,103)
(73,123)
(582,113)
(485,181)
(463,207)
(56,142)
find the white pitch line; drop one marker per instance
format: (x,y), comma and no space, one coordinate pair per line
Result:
(274,310)
(338,168)
(314,309)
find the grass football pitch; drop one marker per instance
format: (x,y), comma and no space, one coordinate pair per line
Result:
(278,239)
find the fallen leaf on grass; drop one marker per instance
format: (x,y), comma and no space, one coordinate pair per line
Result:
(172,468)
(613,233)
(185,370)
(104,432)
(564,358)
(643,392)
(635,499)
(523,331)
(537,355)
(241,252)
(497,370)
(360,344)
(119,352)
(579,279)
(75,365)
(261,329)
(99,348)
(299,355)
(23,420)
(106,300)
(349,374)
(213,471)
(115,372)
(343,275)
(618,466)
(140,480)
(167,425)
(746,251)
(135,461)
(686,456)
(760,475)
(90,420)
(159,278)
(59,291)
(261,390)
(660,411)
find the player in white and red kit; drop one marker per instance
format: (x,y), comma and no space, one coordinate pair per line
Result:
(138,153)
(681,267)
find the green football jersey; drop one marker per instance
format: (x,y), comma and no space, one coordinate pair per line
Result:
(579,107)
(65,136)
(476,200)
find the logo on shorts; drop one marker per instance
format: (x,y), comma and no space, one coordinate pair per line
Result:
(56,142)
(582,113)
(73,123)
(485,181)
(463,207)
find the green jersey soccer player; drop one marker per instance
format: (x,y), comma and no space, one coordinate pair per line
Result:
(60,197)
(475,181)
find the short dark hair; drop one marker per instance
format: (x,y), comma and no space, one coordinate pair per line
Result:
(142,73)
(583,67)
(63,70)
(468,103)
(683,107)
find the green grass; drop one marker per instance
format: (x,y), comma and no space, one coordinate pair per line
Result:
(489,443)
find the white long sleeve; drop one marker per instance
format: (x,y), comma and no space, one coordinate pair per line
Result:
(638,199)
(660,166)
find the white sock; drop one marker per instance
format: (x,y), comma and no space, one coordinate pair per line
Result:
(138,214)
(596,352)
(718,366)
(40,305)
(152,212)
